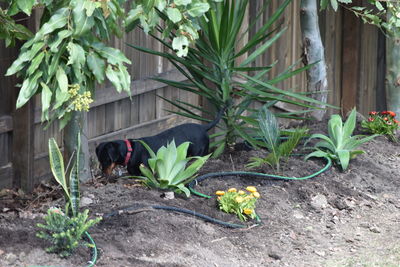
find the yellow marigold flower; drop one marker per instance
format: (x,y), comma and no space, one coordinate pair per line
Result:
(248,211)
(239,199)
(256,194)
(220,193)
(251,189)
(241,192)
(232,190)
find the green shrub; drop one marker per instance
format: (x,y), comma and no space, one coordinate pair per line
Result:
(63,232)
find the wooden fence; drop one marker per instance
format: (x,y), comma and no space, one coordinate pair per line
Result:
(354,76)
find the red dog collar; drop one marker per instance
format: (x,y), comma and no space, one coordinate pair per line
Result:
(129,153)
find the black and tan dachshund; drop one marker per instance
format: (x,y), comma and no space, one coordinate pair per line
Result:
(132,153)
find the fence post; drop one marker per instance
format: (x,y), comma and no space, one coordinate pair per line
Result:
(351,42)
(23,146)
(23,132)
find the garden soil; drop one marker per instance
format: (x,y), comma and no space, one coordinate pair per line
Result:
(349,218)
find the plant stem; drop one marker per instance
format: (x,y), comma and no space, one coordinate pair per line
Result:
(78,124)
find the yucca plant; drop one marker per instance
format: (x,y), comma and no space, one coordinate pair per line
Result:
(340,145)
(271,135)
(167,169)
(211,67)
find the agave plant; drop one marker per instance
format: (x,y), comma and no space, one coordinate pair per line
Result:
(340,145)
(211,68)
(167,169)
(271,135)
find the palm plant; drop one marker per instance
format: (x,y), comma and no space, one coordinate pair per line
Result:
(211,69)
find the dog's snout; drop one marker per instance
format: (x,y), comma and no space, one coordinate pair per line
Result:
(108,171)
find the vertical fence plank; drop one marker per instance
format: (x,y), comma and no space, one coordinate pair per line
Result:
(350,61)
(366,93)
(23,146)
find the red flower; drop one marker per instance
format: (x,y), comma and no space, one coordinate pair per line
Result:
(371,119)
(391,113)
(384,113)
(385,118)
(373,113)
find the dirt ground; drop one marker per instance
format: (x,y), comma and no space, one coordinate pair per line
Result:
(338,218)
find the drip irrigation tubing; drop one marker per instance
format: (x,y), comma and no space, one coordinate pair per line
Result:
(216,174)
(93,259)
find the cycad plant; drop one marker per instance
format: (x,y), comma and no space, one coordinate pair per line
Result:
(271,135)
(211,68)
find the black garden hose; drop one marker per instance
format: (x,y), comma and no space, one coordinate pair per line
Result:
(135,207)
(253,174)
(202,216)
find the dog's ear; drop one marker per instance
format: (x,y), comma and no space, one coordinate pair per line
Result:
(99,148)
(112,151)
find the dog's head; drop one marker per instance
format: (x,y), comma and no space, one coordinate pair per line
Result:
(107,154)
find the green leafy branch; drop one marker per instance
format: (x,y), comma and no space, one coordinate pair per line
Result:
(68,52)
(181,15)
(385,16)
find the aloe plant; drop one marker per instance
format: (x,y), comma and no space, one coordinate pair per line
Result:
(211,66)
(167,168)
(271,135)
(340,145)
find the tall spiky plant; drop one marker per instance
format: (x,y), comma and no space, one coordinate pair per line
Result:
(211,67)
(71,187)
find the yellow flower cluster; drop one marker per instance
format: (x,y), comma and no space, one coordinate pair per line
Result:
(238,201)
(80,102)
